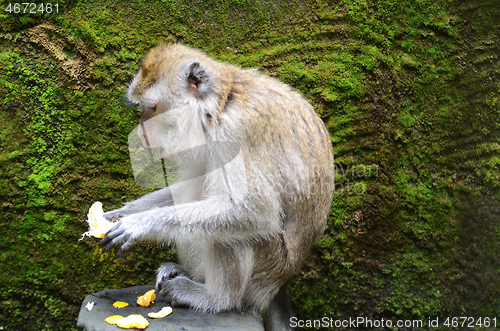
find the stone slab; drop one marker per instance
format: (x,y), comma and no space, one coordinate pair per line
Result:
(181,319)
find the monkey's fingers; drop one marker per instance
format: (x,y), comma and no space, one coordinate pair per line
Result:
(114,215)
(113,237)
(117,236)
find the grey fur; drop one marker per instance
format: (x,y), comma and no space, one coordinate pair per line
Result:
(242,224)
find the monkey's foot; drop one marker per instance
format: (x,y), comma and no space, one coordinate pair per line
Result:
(165,274)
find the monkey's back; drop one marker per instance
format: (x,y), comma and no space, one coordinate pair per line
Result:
(256,182)
(291,148)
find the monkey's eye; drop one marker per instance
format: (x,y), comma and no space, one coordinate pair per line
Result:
(148,111)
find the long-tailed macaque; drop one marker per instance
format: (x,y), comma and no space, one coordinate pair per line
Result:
(256,168)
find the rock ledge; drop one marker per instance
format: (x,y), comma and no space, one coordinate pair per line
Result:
(181,319)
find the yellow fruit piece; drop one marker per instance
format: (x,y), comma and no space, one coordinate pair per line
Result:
(165,311)
(98,225)
(113,319)
(146,299)
(133,322)
(120,304)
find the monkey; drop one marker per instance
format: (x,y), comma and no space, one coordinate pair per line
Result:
(255,190)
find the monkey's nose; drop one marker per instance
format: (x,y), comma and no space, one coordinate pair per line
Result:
(148,111)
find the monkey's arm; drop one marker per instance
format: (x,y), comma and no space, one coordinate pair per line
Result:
(159,198)
(214,218)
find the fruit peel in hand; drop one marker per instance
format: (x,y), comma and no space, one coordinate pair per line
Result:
(98,225)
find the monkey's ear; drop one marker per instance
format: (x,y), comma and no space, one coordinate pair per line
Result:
(198,79)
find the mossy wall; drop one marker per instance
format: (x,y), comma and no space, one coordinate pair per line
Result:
(409,90)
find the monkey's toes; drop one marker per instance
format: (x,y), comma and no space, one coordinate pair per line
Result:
(165,274)
(170,271)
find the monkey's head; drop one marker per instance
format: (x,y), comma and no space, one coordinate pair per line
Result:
(180,92)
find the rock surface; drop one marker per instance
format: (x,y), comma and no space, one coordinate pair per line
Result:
(181,319)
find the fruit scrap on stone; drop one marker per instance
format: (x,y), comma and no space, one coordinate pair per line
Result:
(146,299)
(133,322)
(120,304)
(89,306)
(98,225)
(113,319)
(130,322)
(165,311)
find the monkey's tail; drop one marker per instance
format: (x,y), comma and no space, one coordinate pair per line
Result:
(277,317)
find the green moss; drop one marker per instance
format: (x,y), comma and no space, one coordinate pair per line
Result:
(407,89)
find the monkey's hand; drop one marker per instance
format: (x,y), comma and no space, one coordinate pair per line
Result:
(115,215)
(125,234)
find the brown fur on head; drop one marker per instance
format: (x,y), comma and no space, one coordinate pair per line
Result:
(196,73)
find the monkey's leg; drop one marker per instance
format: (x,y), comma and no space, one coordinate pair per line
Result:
(226,278)
(183,291)
(164,274)
(277,317)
